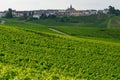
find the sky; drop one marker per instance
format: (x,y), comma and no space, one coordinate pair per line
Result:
(57,4)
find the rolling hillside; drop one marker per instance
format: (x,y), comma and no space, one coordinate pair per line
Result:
(104,29)
(29,51)
(108,34)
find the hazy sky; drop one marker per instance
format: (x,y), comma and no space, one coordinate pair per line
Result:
(57,4)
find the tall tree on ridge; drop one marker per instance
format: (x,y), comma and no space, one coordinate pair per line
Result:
(9,13)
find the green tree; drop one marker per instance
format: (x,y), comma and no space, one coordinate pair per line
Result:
(9,13)
(25,15)
(114,11)
(111,10)
(43,16)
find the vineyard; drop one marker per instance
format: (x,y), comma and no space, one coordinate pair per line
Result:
(30,51)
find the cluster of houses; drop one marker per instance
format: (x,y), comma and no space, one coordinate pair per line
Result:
(59,12)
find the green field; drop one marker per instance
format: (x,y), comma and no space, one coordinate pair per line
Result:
(103,29)
(110,34)
(30,51)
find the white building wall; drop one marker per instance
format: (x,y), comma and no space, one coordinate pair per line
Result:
(36,16)
(2,14)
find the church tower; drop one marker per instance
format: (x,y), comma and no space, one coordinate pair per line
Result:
(71,8)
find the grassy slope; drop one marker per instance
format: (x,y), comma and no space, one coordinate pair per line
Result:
(110,34)
(115,22)
(26,25)
(108,29)
(26,54)
(88,31)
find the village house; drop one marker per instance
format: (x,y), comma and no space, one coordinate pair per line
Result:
(105,11)
(61,12)
(75,13)
(93,12)
(22,13)
(86,12)
(38,13)
(2,14)
(52,12)
(72,12)
(19,14)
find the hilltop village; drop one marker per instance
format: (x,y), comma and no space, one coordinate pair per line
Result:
(58,12)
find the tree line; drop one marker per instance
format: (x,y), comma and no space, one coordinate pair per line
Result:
(114,11)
